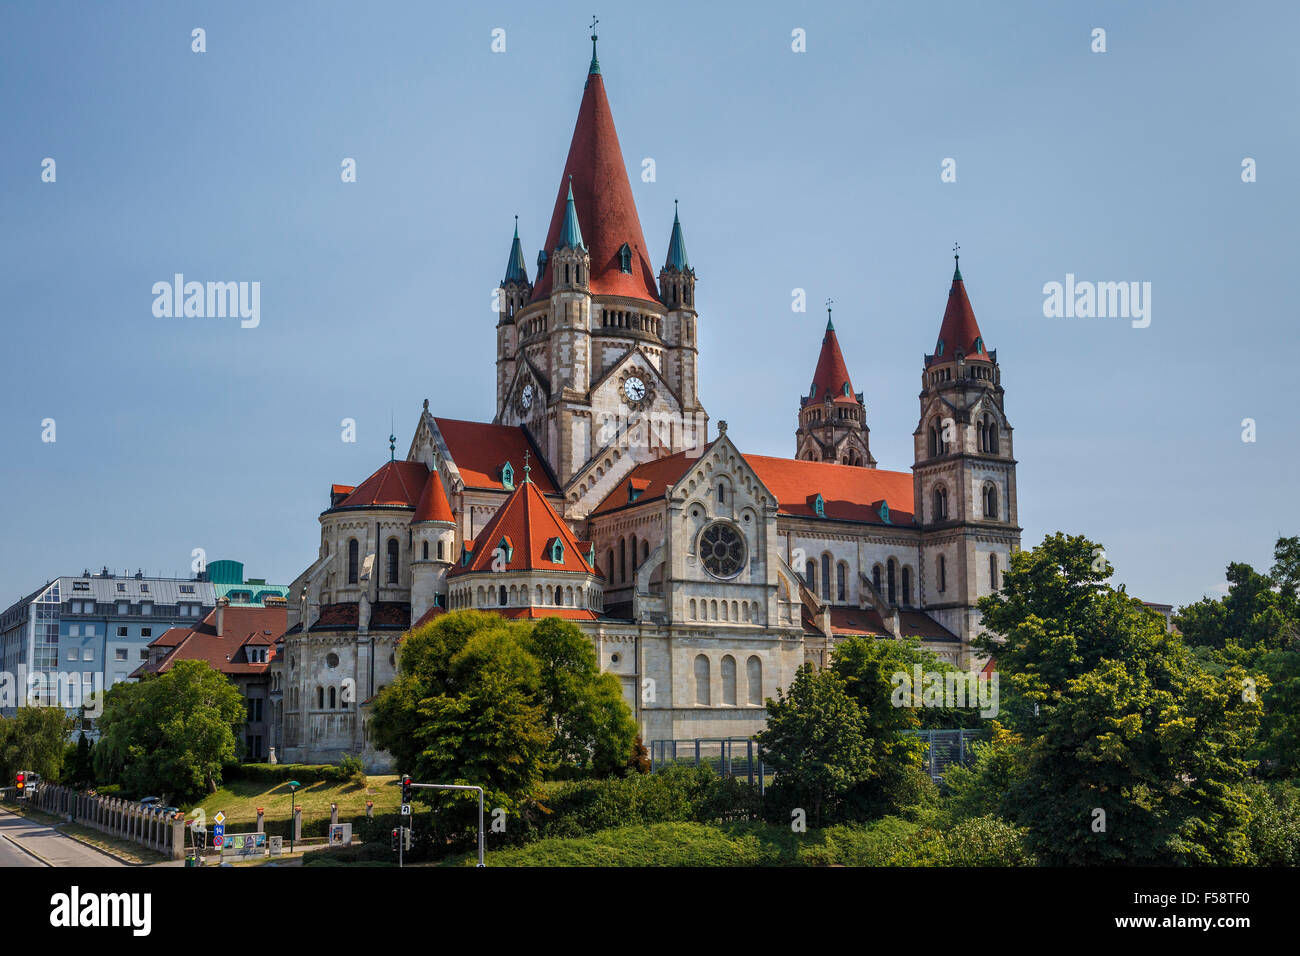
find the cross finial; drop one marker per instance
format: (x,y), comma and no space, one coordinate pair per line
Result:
(595,63)
(956,251)
(527,467)
(956,258)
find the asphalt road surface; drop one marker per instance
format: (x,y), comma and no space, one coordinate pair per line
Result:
(25,843)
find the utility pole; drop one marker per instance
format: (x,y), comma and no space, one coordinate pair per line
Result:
(407,786)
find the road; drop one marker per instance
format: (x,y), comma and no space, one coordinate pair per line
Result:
(25,843)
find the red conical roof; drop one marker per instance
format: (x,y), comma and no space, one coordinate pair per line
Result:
(832,375)
(602,197)
(529,523)
(433,505)
(960,331)
(396,483)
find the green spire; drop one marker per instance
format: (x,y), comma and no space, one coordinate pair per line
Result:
(595,63)
(830,326)
(677,258)
(516,271)
(570,233)
(956,258)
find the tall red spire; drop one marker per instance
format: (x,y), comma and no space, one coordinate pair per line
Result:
(602,197)
(832,375)
(960,331)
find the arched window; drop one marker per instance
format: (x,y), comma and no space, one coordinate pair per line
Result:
(622,559)
(392,560)
(993,571)
(943,574)
(826,577)
(633,555)
(875,578)
(810,573)
(424,552)
(755,672)
(332,698)
(609,565)
(502,595)
(907,587)
(891,574)
(353,555)
(729,680)
(441,555)
(841,582)
(940,503)
(701,680)
(722,493)
(320,698)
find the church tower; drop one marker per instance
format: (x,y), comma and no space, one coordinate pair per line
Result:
(677,290)
(512,295)
(594,347)
(964,476)
(832,417)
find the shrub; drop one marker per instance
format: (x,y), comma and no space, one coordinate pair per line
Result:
(1274,828)
(304,773)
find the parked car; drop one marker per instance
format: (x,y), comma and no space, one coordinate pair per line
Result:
(150,801)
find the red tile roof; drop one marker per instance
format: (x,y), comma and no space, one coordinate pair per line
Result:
(920,624)
(479,450)
(848,493)
(651,479)
(959,330)
(433,504)
(345,616)
(538,613)
(241,627)
(831,376)
(529,521)
(846,621)
(396,483)
(602,198)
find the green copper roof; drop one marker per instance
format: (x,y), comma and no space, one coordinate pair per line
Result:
(595,63)
(677,258)
(570,233)
(516,270)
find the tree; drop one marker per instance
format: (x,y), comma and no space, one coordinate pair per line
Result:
(170,734)
(34,740)
(818,742)
(80,771)
(1134,753)
(594,729)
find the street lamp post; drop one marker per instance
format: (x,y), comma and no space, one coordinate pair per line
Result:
(293,810)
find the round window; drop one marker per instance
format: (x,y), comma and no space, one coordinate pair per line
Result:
(331,659)
(722,549)
(613,658)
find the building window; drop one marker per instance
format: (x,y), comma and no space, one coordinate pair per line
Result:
(826,577)
(392,560)
(701,680)
(146,607)
(755,673)
(625,259)
(88,654)
(146,632)
(74,630)
(122,606)
(810,573)
(425,551)
(333,699)
(875,579)
(119,653)
(907,587)
(943,574)
(940,503)
(121,630)
(353,553)
(990,501)
(841,582)
(729,680)
(72,653)
(993,571)
(890,575)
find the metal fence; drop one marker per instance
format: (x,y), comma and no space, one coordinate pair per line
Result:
(946,747)
(742,756)
(728,756)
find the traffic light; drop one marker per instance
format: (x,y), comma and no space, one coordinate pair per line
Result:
(395,836)
(21,782)
(406,788)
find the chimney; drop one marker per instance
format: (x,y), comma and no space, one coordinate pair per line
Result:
(222,604)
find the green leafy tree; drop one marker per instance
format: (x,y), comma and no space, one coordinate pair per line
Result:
(594,729)
(170,734)
(81,769)
(818,742)
(1135,754)
(35,740)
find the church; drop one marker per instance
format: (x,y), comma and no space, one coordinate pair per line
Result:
(600,493)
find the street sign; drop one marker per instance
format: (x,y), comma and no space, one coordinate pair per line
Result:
(277,845)
(406,809)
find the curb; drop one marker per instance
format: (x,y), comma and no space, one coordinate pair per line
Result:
(58,828)
(30,852)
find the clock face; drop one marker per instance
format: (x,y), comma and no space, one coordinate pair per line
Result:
(526,398)
(634,389)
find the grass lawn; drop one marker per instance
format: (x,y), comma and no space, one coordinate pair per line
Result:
(239,800)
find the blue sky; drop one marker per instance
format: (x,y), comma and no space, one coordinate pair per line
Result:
(817,170)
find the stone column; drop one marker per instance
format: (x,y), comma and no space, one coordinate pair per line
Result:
(261,820)
(334,813)
(176,839)
(297,824)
